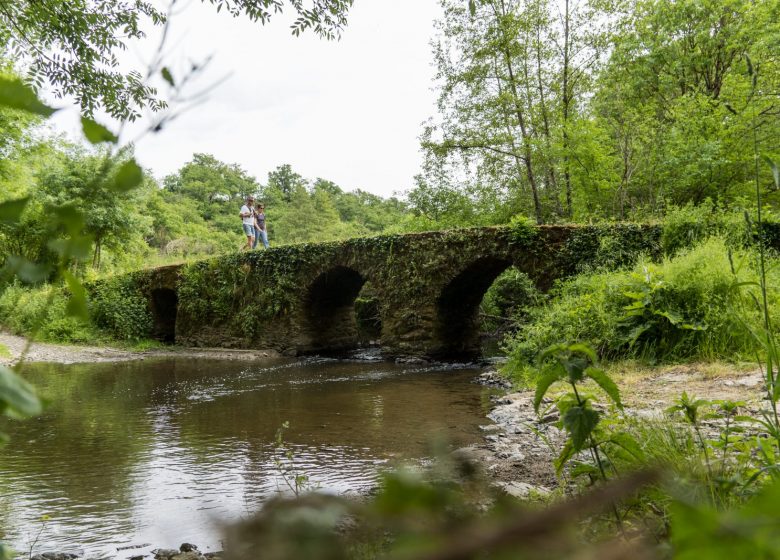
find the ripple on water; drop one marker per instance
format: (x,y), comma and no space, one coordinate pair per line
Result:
(161,451)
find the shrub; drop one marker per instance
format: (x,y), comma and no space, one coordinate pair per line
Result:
(117,307)
(508,300)
(686,226)
(681,308)
(42,311)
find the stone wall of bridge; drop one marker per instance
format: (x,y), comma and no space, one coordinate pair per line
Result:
(300,299)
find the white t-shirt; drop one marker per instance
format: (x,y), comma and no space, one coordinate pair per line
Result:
(248,220)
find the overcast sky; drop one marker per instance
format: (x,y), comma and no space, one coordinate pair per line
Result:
(349,111)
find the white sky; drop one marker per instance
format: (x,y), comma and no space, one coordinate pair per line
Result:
(349,111)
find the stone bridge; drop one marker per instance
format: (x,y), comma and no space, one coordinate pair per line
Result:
(426,287)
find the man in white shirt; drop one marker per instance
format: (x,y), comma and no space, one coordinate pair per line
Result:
(248,221)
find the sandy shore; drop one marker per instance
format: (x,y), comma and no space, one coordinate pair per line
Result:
(64,354)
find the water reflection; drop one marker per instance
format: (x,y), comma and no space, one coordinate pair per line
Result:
(156,451)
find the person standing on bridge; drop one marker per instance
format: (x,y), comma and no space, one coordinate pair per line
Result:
(260,230)
(247,215)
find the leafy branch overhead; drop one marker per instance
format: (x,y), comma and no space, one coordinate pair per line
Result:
(73,46)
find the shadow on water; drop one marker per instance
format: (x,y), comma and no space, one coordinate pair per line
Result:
(158,450)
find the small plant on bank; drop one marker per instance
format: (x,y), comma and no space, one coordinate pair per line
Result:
(284,460)
(574,364)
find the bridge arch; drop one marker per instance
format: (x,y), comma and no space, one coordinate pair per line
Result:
(329,310)
(164,307)
(456,328)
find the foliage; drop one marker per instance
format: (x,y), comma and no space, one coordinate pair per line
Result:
(73,46)
(592,110)
(509,301)
(574,364)
(118,308)
(680,308)
(43,312)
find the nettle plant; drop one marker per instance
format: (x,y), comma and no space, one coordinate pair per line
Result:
(574,365)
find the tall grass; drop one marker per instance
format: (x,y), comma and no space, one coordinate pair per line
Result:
(680,309)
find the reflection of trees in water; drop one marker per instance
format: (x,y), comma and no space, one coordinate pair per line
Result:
(337,403)
(86,445)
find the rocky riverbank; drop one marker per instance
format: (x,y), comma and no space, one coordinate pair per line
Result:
(520,447)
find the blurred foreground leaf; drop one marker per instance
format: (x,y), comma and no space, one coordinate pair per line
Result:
(96,133)
(128,176)
(17,95)
(11,210)
(18,398)
(77,303)
(28,272)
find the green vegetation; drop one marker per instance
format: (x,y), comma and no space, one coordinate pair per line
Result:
(683,308)
(656,111)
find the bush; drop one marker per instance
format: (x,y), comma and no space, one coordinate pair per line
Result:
(508,300)
(117,307)
(683,308)
(41,311)
(688,225)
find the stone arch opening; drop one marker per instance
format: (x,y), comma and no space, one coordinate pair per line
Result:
(330,310)
(456,327)
(165,305)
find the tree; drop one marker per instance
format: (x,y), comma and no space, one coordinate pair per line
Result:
(211,182)
(284,183)
(675,99)
(110,218)
(72,45)
(512,82)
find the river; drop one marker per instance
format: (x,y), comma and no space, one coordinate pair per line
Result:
(160,451)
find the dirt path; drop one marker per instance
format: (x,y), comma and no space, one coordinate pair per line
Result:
(63,354)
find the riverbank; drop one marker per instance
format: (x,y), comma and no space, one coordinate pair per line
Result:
(520,447)
(66,354)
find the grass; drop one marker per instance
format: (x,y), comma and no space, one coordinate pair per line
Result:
(4,351)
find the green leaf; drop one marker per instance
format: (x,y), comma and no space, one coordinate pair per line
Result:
(96,133)
(775,170)
(549,376)
(77,247)
(563,457)
(580,348)
(674,318)
(70,217)
(580,421)
(18,395)
(128,177)
(603,381)
(28,272)
(77,303)
(18,95)
(629,443)
(579,469)
(472,7)
(11,210)
(167,76)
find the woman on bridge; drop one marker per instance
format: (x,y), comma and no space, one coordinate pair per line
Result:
(260,230)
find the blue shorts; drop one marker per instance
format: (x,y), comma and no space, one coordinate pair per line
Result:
(249,230)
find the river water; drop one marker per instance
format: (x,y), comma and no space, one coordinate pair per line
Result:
(160,451)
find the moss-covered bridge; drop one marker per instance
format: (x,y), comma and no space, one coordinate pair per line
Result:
(427,287)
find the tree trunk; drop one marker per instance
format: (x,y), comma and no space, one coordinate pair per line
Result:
(521,120)
(566,104)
